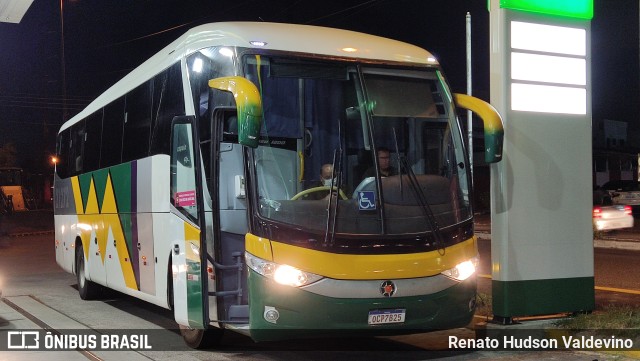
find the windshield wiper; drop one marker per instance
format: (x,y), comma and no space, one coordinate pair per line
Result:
(395,141)
(421,197)
(424,204)
(334,193)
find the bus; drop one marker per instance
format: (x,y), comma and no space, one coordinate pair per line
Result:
(187,184)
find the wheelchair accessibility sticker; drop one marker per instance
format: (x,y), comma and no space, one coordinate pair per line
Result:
(367,200)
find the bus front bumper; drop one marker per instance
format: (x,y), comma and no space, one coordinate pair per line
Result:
(282,312)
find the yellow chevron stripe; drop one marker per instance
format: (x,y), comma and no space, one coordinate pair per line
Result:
(109,202)
(77,196)
(92,200)
(100,221)
(191,236)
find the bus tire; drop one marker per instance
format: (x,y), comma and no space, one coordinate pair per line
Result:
(201,339)
(170,285)
(88,290)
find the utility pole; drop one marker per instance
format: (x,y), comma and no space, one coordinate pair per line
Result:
(469,92)
(65,112)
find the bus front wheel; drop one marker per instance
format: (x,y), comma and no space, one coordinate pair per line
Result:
(201,339)
(87,289)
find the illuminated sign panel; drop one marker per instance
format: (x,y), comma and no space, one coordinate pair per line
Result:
(580,9)
(548,99)
(548,38)
(549,69)
(552,61)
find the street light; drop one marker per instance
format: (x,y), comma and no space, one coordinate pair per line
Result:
(54,161)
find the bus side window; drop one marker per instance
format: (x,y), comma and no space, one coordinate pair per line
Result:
(182,147)
(137,123)
(93,140)
(168,101)
(76,148)
(62,167)
(183,172)
(112,125)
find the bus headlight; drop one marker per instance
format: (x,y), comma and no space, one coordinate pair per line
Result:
(462,270)
(281,273)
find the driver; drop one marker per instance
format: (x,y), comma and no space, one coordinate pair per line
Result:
(326,174)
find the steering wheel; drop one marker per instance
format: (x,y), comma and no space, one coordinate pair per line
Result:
(318,189)
(366,184)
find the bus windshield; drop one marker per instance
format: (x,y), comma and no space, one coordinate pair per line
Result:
(358,149)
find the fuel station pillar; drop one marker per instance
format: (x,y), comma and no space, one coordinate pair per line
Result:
(541,192)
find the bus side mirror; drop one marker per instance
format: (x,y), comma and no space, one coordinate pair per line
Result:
(248,103)
(493,126)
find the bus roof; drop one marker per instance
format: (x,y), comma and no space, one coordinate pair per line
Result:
(263,35)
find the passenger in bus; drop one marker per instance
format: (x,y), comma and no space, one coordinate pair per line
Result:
(384,162)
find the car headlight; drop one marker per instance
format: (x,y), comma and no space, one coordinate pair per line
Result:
(281,273)
(462,270)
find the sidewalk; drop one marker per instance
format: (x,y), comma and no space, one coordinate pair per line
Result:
(27,222)
(627,239)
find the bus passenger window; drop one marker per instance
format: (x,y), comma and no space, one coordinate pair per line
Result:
(76,148)
(183,173)
(181,147)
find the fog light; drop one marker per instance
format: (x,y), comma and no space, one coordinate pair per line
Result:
(271,315)
(472,304)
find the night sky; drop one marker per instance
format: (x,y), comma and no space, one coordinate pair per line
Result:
(103,42)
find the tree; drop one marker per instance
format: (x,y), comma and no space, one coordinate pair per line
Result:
(8,155)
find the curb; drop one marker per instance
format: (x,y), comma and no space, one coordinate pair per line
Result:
(33,233)
(26,234)
(607,243)
(630,245)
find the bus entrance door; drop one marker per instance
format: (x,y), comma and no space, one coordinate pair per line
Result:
(188,251)
(227,285)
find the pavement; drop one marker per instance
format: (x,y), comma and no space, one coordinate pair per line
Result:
(38,222)
(19,224)
(627,239)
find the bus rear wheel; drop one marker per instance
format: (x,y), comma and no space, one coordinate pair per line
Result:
(87,289)
(201,339)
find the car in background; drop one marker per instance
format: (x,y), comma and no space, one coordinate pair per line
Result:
(624,192)
(606,218)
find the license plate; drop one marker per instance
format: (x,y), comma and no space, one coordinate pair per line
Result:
(383,317)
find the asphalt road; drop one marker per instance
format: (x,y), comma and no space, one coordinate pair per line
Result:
(30,277)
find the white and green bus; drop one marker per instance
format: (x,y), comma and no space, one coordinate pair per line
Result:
(194,183)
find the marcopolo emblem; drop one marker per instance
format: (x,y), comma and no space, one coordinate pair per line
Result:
(388,288)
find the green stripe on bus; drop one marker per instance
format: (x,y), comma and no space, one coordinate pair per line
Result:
(194,295)
(121,180)
(100,182)
(85,184)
